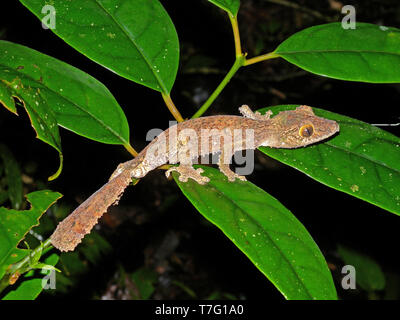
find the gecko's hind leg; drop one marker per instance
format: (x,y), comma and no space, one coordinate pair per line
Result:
(186,171)
(224,168)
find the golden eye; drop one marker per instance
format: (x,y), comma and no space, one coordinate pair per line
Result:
(306,131)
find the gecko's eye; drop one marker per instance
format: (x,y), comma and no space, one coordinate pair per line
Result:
(306,131)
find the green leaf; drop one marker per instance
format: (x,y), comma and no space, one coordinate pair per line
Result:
(230,6)
(143,280)
(14,225)
(369,275)
(135,39)
(185,289)
(5,99)
(73,265)
(369,53)
(266,232)
(32,282)
(13,176)
(41,116)
(94,247)
(362,160)
(51,88)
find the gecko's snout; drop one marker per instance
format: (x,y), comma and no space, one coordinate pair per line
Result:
(334,127)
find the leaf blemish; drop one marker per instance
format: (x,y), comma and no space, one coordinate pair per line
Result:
(354,188)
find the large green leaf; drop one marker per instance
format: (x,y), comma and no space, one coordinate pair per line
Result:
(369,53)
(362,160)
(270,236)
(231,6)
(13,176)
(14,225)
(51,89)
(134,38)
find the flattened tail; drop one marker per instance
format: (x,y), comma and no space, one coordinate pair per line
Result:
(70,232)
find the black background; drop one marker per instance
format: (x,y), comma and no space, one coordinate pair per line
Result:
(210,260)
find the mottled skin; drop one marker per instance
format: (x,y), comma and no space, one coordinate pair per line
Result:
(184,143)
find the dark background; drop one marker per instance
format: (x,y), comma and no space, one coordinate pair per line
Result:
(155,225)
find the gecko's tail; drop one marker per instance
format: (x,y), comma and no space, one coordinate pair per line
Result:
(80,222)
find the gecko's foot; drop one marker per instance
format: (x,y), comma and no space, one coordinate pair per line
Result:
(232,176)
(186,172)
(248,113)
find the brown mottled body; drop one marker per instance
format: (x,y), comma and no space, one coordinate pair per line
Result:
(189,140)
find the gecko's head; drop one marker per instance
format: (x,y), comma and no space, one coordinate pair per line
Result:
(299,128)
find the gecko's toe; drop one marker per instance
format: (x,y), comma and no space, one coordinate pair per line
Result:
(204,180)
(168,172)
(183,178)
(235,176)
(186,172)
(201,179)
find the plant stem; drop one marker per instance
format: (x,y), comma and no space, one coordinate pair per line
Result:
(45,245)
(130,149)
(21,265)
(4,282)
(171,106)
(238,63)
(263,57)
(236,35)
(55,175)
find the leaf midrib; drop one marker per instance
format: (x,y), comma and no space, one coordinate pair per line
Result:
(272,241)
(155,74)
(382,164)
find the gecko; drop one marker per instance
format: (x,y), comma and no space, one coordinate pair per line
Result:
(193,139)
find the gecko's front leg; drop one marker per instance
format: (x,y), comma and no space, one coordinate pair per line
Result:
(186,152)
(248,113)
(187,171)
